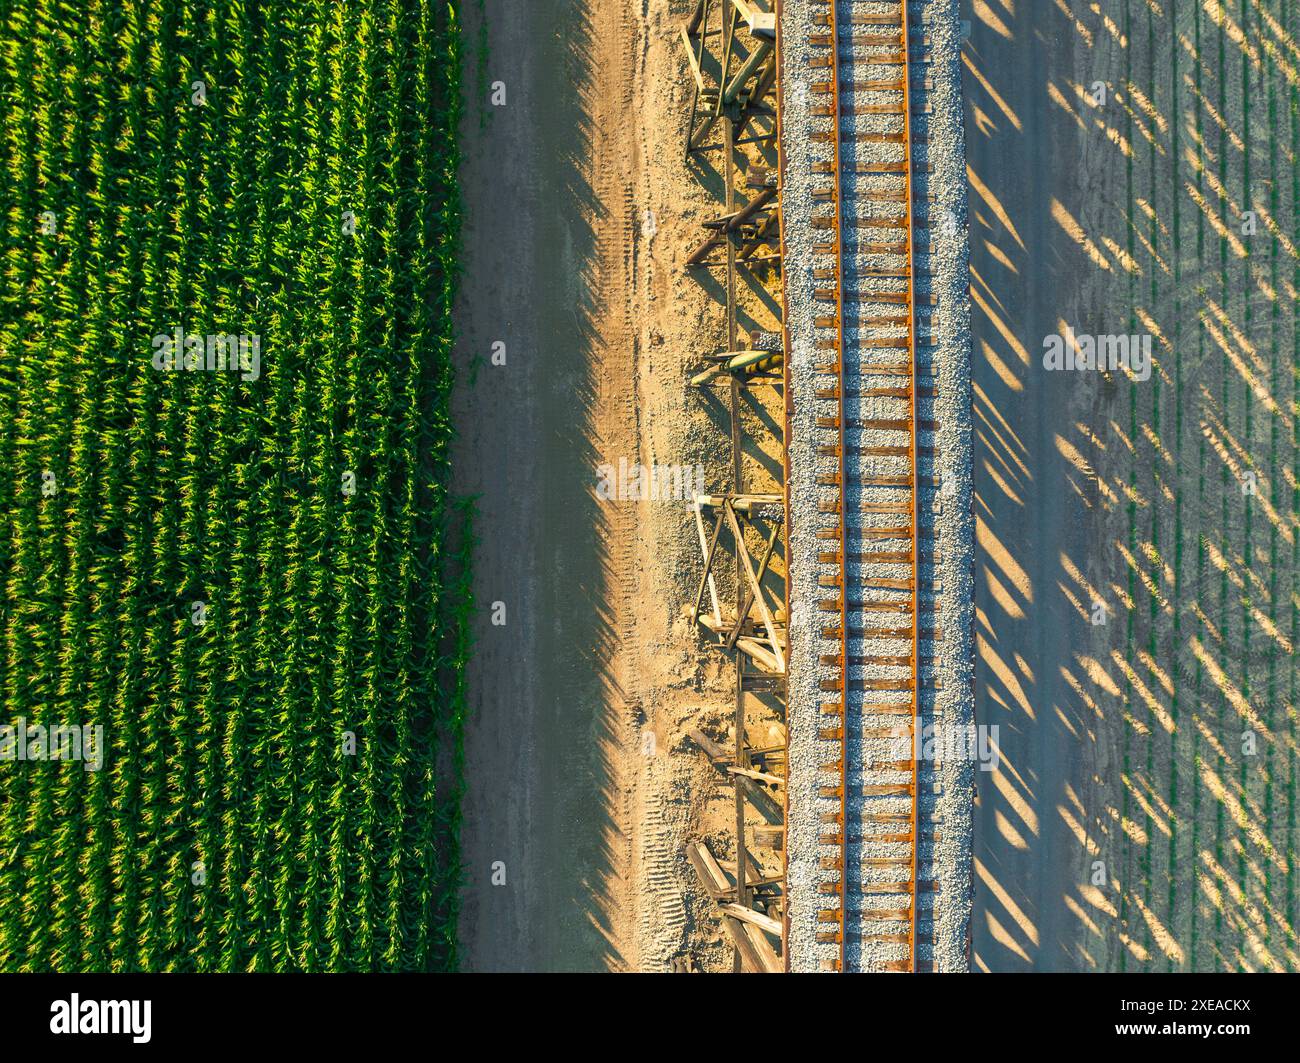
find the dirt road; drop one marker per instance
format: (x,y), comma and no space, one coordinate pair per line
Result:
(582,786)
(548,239)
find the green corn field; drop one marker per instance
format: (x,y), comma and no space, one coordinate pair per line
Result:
(243,564)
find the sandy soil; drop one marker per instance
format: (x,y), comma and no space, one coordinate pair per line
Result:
(1144,815)
(580,780)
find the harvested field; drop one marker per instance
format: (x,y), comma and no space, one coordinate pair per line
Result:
(1137,568)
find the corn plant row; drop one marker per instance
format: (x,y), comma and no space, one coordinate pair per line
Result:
(234,586)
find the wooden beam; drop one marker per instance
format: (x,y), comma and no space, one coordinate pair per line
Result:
(721,228)
(757,776)
(748,602)
(752,877)
(705,128)
(711,876)
(707,574)
(695,63)
(696,18)
(707,376)
(755,881)
(769,662)
(761,236)
(712,749)
(704,546)
(751,959)
(718,627)
(741,503)
(761,799)
(758,919)
(756,58)
(753,582)
(767,957)
(761,23)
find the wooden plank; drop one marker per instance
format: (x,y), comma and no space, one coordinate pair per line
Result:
(712,749)
(706,576)
(767,957)
(761,799)
(759,597)
(758,919)
(758,776)
(761,23)
(750,958)
(748,602)
(693,24)
(711,876)
(695,64)
(768,661)
(704,547)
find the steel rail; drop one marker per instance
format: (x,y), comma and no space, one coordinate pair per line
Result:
(916,479)
(836,115)
(841,199)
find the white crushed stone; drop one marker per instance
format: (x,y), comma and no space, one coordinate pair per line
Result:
(946,787)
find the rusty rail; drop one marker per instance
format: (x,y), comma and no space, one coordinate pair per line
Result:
(868,29)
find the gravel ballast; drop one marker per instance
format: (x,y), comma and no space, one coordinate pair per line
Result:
(946,786)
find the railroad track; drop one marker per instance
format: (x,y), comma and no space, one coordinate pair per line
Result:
(868,80)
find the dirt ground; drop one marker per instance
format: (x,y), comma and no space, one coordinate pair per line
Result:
(1137,557)
(581,785)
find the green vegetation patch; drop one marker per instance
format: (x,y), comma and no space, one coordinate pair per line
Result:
(230,566)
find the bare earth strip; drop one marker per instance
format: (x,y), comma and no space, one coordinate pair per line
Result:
(545,806)
(580,212)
